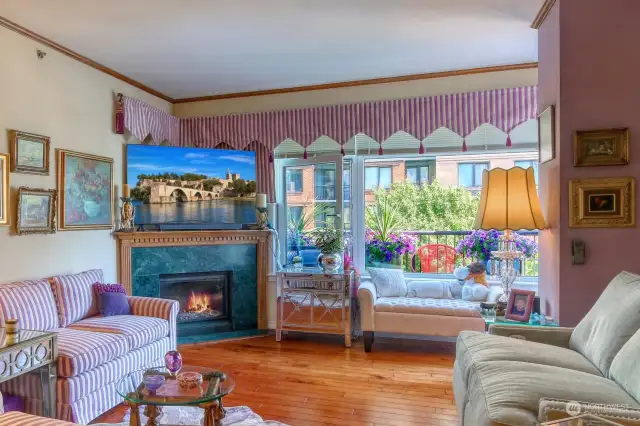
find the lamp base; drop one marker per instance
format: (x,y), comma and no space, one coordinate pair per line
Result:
(507,272)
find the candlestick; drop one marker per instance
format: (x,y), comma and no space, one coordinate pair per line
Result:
(126,191)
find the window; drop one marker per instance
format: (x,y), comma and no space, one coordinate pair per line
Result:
(377,177)
(325,183)
(527,164)
(295,214)
(417,173)
(294,180)
(470,174)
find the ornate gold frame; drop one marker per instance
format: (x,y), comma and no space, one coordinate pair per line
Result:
(4,208)
(51,220)
(619,157)
(578,218)
(14,135)
(60,160)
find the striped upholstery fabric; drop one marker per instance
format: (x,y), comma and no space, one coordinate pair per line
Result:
(74,295)
(17,300)
(14,418)
(80,351)
(157,308)
(138,330)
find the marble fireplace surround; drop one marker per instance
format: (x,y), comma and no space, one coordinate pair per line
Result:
(127,241)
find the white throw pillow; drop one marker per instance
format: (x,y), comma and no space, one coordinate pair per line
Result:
(388,282)
(474,292)
(429,289)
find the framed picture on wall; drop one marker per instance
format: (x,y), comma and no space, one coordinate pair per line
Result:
(4,189)
(29,153)
(85,185)
(602,203)
(36,211)
(609,147)
(547,135)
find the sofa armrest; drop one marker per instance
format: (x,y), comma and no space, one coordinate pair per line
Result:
(558,409)
(166,309)
(367,297)
(556,336)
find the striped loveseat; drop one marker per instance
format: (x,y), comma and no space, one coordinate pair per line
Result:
(94,352)
(14,418)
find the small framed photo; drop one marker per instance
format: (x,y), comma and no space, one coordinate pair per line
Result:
(602,203)
(29,153)
(608,147)
(547,135)
(520,305)
(36,211)
(4,189)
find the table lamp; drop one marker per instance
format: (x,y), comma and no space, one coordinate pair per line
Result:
(508,202)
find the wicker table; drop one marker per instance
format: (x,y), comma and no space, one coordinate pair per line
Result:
(32,351)
(311,301)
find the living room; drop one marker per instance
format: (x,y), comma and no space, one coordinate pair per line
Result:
(340,213)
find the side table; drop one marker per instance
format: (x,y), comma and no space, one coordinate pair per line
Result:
(312,301)
(34,350)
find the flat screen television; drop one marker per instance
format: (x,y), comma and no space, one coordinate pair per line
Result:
(191,186)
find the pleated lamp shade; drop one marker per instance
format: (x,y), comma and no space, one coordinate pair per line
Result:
(509,200)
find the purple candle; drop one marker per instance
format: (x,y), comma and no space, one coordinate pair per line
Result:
(173,361)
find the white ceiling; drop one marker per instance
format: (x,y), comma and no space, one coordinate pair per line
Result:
(187,48)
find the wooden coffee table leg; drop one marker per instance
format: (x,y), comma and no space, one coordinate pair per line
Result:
(153,413)
(219,413)
(209,412)
(134,417)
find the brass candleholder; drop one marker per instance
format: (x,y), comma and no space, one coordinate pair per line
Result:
(127,213)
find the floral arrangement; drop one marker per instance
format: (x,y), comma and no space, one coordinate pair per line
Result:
(527,246)
(298,238)
(328,240)
(388,249)
(478,244)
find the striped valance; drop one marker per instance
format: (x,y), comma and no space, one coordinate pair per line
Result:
(462,113)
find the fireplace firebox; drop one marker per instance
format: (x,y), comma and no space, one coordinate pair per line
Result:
(204,299)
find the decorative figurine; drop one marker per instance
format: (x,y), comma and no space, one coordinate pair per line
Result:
(475,286)
(127,211)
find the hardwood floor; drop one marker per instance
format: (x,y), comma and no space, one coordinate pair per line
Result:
(311,380)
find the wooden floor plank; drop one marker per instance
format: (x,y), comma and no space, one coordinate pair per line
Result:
(316,381)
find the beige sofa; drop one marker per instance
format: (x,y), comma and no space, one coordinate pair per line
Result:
(501,380)
(413,315)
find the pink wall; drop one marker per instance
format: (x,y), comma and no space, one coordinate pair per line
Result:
(599,88)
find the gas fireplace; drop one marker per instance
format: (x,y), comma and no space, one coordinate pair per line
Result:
(204,298)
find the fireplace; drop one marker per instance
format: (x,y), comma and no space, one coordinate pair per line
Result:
(204,298)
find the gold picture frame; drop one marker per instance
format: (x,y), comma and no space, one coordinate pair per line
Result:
(606,147)
(29,153)
(4,190)
(602,203)
(86,188)
(36,211)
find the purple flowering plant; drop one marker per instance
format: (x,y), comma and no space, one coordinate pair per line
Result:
(478,244)
(527,246)
(387,249)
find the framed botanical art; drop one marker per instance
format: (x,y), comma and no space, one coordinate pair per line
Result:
(4,189)
(29,153)
(36,211)
(85,185)
(547,135)
(608,147)
(602,203)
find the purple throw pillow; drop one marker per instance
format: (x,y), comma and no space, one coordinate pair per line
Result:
(112,299)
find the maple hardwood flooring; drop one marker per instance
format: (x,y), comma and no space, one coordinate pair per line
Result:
(315,380)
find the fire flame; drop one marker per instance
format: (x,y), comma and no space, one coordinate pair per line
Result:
(199,302)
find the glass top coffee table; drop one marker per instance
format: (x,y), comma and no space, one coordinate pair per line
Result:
(206,395)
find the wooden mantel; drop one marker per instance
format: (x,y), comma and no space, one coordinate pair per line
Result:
(128,240)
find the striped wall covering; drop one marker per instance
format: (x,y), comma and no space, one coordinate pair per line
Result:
(138,330)
(14,418)
(75,296)
(157,308)
(17,300)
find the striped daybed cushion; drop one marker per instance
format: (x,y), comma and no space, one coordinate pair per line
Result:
(15,418)
(74,295)
(80,351)
(138,330)
(31,302)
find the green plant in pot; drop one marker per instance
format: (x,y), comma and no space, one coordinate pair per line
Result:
(329,242)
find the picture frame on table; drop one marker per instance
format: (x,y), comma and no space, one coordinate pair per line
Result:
(520,305)
(547,135)
(86,188)
(4,190)
(608,147)
(602,203)
(29,153)
(36,211)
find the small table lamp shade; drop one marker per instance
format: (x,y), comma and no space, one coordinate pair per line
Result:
(509,200)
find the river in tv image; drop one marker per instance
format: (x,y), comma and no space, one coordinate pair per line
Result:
(228,210)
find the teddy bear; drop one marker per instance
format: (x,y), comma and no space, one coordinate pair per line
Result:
(475,286)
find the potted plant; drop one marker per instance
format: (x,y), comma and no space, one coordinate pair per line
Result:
(329,241)
(479,244)
(387,252)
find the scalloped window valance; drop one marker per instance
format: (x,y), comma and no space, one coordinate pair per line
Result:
(462,113)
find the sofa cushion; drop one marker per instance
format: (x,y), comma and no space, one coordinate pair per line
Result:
(80,351)
(137,330)
(428,288)
(610,323)
(508,392)
(31,302)
(625,368)
(75,296)
(388,282)
(480,347)
(21,419)
(427,306)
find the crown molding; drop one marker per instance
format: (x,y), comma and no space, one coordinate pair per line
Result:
(542,14)
(80,58)
(355,83)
